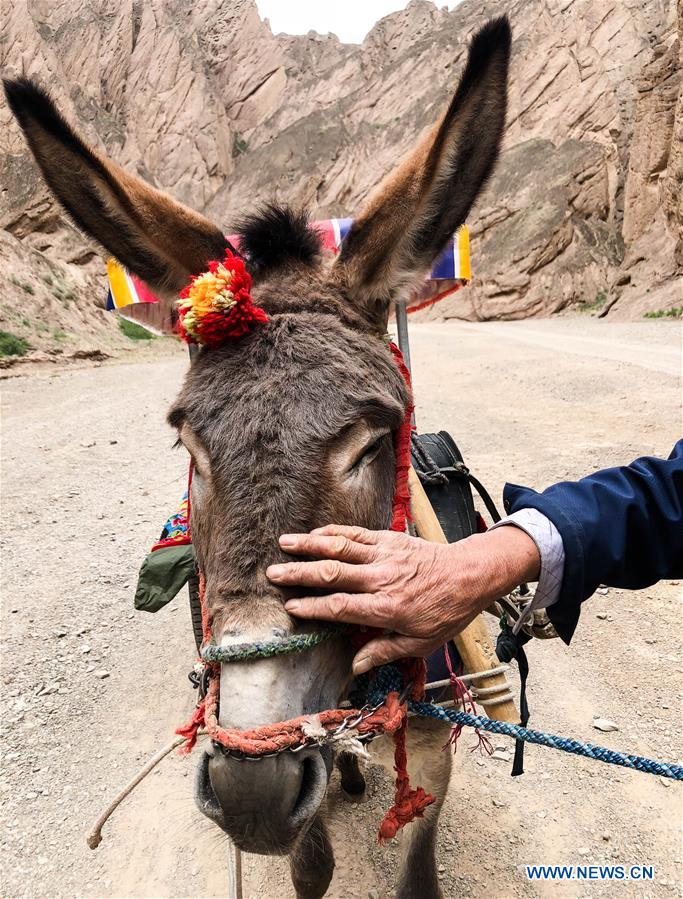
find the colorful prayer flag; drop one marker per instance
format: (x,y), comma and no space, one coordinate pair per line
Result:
(450,272)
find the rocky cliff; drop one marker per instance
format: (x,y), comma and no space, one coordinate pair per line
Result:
(203,100)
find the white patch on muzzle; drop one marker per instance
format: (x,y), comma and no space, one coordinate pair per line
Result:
(264,691)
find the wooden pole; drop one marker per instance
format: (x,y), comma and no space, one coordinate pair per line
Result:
(473,643)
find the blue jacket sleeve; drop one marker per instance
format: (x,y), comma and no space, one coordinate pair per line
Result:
(622,527)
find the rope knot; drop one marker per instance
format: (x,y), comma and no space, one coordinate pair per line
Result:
(507,645)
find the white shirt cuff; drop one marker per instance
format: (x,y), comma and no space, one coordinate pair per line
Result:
(551,550)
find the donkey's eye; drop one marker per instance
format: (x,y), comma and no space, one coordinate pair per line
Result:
(370,452)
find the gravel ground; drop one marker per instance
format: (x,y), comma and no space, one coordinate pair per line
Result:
(91,688)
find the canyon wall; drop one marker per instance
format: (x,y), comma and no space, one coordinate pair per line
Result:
(584,209)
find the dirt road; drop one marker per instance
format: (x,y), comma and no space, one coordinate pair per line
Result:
(90,688)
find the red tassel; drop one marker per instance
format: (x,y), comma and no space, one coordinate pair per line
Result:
(408,804)
(414,671)
(462,698)
(401,506)
(191,729)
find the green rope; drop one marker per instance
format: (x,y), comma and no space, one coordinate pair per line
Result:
(245,652)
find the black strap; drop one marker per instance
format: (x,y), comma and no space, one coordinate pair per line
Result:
(523,665)
(509,646)
(484,494)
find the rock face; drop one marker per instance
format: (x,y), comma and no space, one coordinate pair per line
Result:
(205,102)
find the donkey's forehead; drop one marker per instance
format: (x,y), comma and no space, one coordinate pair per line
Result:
(309,288)
(308,370)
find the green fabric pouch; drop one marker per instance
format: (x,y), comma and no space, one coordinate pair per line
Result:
(162,575)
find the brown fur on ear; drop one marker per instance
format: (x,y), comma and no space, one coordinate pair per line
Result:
(418,207)
(157,238)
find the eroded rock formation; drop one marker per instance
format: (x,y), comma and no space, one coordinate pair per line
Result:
(204,101)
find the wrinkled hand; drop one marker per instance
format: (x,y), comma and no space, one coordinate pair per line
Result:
(425,593)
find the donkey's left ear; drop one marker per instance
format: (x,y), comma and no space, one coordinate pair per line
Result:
(414,212)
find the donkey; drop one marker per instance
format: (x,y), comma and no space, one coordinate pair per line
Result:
(290,428)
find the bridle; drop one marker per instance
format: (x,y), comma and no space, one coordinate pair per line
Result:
(384,713)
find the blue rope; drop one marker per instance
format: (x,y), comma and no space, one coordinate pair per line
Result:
(389,678)
(599,753)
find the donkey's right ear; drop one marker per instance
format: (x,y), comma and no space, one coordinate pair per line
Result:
(155,237)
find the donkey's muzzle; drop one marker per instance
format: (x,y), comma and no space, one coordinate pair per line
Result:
(264,805)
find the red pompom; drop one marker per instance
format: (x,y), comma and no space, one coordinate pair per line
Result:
(216,305)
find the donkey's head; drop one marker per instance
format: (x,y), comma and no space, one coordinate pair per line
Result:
(291,426)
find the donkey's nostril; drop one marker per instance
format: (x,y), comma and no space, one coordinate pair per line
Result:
(311,791)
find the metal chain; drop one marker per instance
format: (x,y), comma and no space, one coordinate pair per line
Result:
(349,723)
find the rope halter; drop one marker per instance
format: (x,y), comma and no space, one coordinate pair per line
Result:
(389,712)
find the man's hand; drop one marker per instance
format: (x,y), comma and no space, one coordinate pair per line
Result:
(424,593)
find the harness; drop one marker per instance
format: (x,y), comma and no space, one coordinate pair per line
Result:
(387,713)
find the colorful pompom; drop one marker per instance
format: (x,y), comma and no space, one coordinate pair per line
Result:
(216,305)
